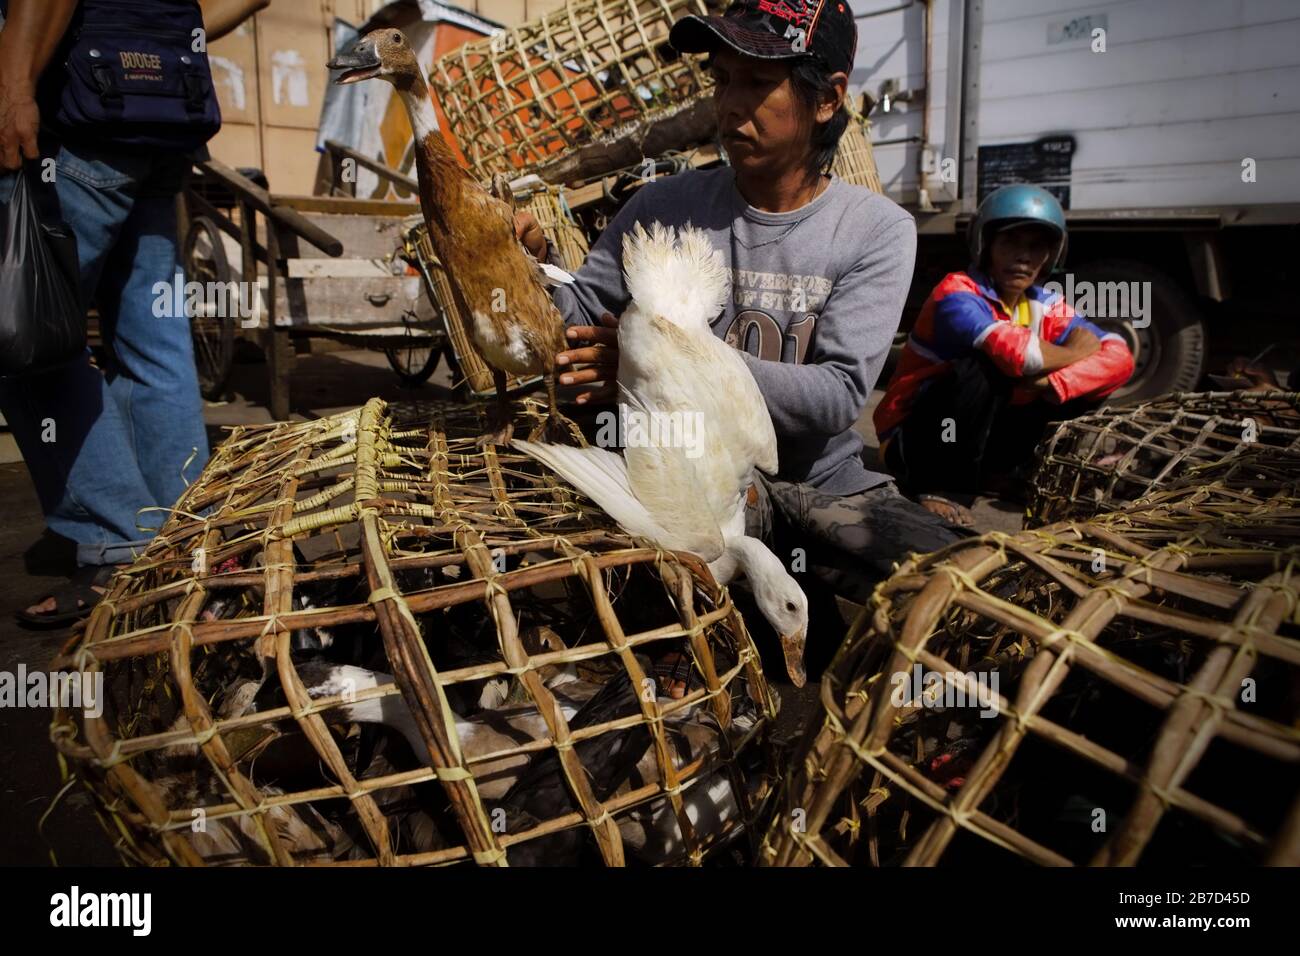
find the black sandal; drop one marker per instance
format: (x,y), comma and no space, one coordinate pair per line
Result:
(72,601)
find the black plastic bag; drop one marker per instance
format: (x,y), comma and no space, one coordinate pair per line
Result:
(42,320)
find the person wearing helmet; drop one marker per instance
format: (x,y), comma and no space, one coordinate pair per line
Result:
(992,359)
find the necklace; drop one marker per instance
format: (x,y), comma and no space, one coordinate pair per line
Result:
(739,212)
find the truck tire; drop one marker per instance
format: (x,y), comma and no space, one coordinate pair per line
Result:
(1169,353)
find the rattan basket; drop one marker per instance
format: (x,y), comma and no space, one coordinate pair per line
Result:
(524,97)
(1145,673)
(855,161)
(1104,461)
(238,722)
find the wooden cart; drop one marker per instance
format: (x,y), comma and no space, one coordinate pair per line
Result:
(274,267)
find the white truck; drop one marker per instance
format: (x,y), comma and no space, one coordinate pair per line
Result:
(1169,129)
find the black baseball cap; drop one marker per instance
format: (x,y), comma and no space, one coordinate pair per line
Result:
(775,30)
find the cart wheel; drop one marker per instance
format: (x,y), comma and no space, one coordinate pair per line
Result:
(414,363)
(1169,350)
(205,261)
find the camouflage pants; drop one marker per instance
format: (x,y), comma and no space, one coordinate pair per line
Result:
(848,543)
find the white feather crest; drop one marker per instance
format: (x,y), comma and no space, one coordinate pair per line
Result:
(677,275)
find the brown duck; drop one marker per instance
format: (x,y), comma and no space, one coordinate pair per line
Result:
(499,287)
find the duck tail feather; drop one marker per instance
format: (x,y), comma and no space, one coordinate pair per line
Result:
(600,475)
(676,274)
(705,271)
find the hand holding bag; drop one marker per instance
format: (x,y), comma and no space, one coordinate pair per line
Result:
(42,319)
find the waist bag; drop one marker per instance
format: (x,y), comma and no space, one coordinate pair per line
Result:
(134,73)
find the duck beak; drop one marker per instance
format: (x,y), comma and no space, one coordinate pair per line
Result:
(792,645)
(360,61)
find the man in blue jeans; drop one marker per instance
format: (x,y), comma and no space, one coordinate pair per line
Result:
(108,449)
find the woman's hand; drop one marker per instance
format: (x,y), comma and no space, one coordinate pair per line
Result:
(596,351)
(528,232)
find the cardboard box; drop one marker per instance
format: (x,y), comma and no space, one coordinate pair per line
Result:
(290,159)
(292,50)
(236,145)
(508,12)
(538,8)
(234,73)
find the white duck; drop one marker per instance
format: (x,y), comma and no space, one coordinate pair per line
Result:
(486,732)
(671,364)
(650,831)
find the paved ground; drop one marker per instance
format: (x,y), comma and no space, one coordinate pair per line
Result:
(30,560)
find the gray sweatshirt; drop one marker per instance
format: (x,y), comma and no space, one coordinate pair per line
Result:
(817,295)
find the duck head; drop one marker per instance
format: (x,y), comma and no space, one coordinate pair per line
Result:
(380,54)
(779,598)
(786,609)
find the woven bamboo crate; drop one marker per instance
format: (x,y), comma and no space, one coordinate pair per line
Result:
(855,162)
(1104,461)
(1147,699)
(385,541)
(547,206)
(527,95)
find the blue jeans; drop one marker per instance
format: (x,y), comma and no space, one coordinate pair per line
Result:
(108,449)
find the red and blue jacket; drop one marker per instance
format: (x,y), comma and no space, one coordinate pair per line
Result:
(964,315)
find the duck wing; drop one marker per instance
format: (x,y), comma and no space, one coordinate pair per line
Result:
(673,518)
(703,380)
(750,432)
(499,202)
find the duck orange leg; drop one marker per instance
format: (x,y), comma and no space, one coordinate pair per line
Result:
(558,427)
(501,418)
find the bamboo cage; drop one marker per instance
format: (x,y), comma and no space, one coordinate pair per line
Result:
(855,161)
(1140,681)
(1100,462)
(552,214)
(590,88)
(547,206)
(503,622)
(528,95)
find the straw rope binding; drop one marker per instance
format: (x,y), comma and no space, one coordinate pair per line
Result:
(1102,461)
(366,640)
(1114,691)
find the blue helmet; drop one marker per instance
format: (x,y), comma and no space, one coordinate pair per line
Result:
(1014,204)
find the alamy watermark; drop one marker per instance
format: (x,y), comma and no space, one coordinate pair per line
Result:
(639,428)
(945,689)
(211,300)
(71,691)
(1106,300)
(129,910)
